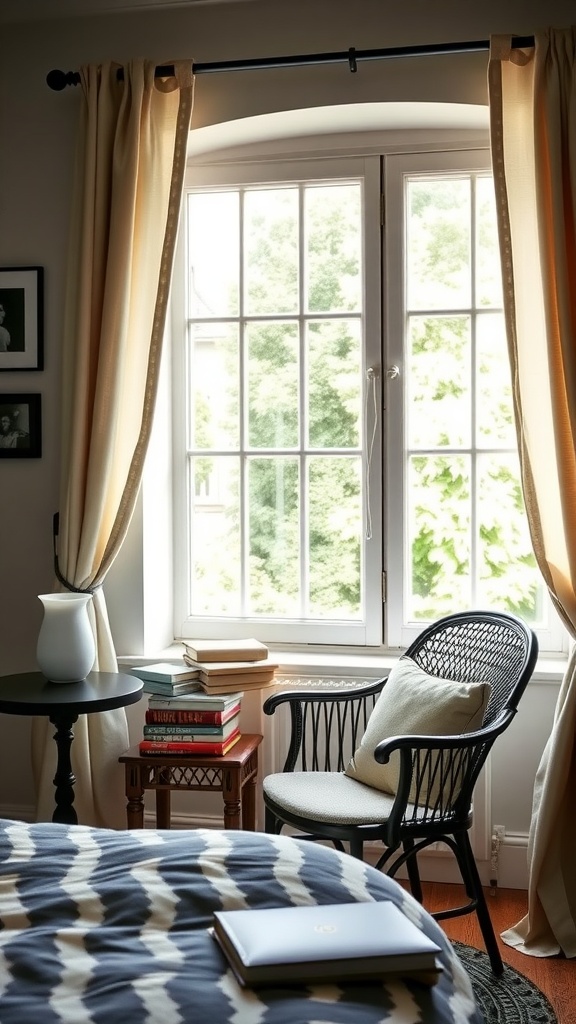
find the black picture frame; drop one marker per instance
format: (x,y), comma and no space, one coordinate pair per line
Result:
(20,426)
(21,318)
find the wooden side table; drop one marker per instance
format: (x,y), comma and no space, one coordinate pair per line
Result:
(233,775)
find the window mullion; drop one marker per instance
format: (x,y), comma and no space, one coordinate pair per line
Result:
(473,368)
(243,414)
(303,479)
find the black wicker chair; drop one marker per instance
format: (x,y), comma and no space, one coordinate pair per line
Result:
(327,726)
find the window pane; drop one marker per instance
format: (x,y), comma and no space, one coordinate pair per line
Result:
(334,383)
(334,518)
(438,535)
(274,385)
(274,508)
(213,388)
(213,254)
(333,248)
(438,408)
(215,536)
(494,401)
(272,365)
(507,571)
(438,244)
(488,270)
(271,251)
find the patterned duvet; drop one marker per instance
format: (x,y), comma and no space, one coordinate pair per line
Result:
(112,928)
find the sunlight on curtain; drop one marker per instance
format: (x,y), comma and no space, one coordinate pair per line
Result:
(533,140)
(130,171)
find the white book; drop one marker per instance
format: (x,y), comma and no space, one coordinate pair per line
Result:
(226,650)
(197,701)
(347,941)
(238,668)
(165,672)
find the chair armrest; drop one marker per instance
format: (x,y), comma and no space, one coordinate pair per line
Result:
(437,775)
(386,747)
(329,696)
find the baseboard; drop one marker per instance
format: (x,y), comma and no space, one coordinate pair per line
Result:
(513,862)
(186,821)
(440,866)
(13,812)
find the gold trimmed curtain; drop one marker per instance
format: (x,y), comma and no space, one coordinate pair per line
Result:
(533,139)
(128,188)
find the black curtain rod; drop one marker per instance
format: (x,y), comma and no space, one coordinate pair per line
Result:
(58,80)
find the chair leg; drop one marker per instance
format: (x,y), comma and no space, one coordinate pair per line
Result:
(357,848)
(412,869)
(473,885)
(271,824)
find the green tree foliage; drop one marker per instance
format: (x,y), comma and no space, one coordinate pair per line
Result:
(331,404)
(448,407)
(304,546)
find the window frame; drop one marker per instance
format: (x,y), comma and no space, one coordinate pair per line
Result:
(397,169)
(437,150)
(368,630)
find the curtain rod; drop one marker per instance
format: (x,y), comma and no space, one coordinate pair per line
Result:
(58,80)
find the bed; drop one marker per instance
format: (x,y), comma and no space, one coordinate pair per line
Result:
(113,928)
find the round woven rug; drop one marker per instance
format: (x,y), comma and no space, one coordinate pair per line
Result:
(506,999)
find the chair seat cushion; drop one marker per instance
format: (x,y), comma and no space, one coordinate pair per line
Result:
(415,703)
(328,797)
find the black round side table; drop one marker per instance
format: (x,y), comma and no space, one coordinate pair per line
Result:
(30,693)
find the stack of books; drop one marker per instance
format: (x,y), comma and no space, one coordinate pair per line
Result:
(226,665)
(193,723)
(168,679)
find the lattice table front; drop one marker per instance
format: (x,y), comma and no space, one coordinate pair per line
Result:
(233,775)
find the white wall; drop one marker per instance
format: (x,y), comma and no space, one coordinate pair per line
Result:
(37,129)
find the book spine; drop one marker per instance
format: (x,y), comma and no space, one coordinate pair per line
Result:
(213,733)
(182,737)
(168,691)
(166,680)
(167,747)
(158,716)
(204,654)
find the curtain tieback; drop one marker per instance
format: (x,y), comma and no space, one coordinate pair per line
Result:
(62,579)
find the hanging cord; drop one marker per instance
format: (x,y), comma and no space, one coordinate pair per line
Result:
(62,579)
(372,374)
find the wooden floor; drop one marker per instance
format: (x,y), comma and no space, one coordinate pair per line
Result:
(556,977)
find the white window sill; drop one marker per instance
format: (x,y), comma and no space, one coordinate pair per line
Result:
(340,664)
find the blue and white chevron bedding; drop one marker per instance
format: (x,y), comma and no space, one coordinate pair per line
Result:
(112,928)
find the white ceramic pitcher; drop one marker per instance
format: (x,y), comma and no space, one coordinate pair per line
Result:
(66,650)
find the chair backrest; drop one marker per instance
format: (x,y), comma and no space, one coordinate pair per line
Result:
(480,646)
(325,726)
(437,775)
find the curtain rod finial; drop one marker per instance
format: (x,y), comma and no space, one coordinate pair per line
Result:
(58,80)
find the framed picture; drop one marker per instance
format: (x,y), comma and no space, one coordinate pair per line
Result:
(21,318)
(20,427)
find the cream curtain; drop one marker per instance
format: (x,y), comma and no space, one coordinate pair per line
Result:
(129,177)
(533,139)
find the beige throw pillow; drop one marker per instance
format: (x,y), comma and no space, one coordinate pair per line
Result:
(413,702)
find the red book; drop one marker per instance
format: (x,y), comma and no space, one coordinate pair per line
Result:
(181,749)
(161,716)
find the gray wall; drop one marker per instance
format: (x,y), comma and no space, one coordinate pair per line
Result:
(37,129)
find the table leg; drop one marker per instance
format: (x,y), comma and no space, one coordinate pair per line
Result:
(135,796)
(231,796)
(64,778)
(249,805)
(163,801)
